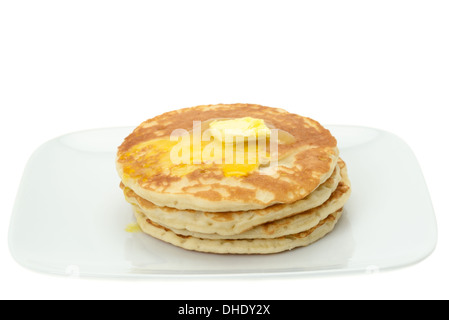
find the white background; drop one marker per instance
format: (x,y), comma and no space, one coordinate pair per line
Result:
(72,65)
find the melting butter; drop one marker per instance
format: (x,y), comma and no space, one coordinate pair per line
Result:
(244,128)
(231,144)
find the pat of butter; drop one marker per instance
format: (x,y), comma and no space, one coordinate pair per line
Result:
(246,128)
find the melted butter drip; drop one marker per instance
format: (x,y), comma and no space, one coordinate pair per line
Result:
(238,170)
(133,228)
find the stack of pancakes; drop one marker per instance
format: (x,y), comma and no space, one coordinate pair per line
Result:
(235,208)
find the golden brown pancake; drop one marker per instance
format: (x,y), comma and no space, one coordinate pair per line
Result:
(245,246)
(295,223)
(234,223)
(307,161)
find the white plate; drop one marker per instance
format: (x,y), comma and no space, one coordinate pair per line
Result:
(70,216)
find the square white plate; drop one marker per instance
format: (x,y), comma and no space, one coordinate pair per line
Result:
(70,216)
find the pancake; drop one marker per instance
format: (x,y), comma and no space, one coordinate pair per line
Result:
(294,224)
(252,246)
(232,223)
(306,160)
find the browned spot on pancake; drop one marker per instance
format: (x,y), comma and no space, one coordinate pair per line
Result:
(204,174)
(341,163)
(210,194)
(271,209)
(154,224)
(304,234)
(220,216)
(160,181)
(341,190)
(129,193)
(278,188)
(242,193)
(270,228)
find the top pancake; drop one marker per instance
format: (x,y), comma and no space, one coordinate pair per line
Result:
(305,163)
